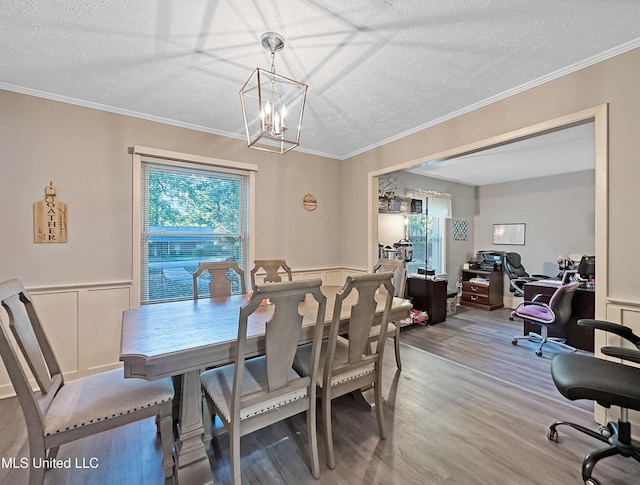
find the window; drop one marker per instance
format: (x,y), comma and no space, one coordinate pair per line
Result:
(427,232)
(188,212)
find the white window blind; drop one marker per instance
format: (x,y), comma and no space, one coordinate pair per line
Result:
(189,213)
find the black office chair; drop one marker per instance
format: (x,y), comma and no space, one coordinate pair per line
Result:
(579,376)
(554,313)
(518,276)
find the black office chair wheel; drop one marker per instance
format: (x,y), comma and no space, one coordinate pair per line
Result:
(511,318)
(552,434)
(539,353)
(514,341)
(591,481)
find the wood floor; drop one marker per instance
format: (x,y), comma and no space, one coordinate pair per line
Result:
(467,408)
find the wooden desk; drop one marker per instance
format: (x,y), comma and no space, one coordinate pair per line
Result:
(184,337)
(582,306)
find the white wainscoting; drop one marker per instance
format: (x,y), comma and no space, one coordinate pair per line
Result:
(626,313)
(329,276)
(83,322)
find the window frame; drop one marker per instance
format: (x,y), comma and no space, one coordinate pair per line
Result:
(142,154)
(442,226)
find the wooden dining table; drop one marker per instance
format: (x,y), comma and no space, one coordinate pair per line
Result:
(182,338)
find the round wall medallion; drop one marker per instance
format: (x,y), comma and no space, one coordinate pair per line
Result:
(309,201)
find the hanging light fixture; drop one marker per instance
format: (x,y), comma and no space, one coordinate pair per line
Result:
(272,105)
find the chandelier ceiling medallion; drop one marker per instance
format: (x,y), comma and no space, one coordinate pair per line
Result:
(272,105)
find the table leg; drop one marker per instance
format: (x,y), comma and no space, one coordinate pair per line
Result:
(193,463)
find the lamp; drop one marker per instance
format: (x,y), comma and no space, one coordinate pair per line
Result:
(272,105)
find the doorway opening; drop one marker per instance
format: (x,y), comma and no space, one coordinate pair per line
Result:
(596,115)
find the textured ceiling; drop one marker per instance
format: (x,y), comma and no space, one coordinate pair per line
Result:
(563,151)
(376,70)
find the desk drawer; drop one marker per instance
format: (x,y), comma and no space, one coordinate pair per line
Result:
(475,288)
(475,298)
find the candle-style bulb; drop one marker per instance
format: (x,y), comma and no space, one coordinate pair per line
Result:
(267,109)
(276,123)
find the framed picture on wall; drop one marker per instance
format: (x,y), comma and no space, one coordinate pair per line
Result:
(512,234)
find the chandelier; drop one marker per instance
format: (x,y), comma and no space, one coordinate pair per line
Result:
(272,105)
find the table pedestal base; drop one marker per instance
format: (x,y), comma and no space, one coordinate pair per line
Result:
(193,463)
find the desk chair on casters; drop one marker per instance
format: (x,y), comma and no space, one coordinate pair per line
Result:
(554,313)
(518,276)
(579,376)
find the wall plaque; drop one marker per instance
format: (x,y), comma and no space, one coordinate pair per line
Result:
(49,218)
(309,201)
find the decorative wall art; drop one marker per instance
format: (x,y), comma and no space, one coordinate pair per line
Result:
(459,230)
(49,218)
(509,234)
(310,202)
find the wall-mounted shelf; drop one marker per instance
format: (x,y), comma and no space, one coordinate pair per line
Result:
(399,205)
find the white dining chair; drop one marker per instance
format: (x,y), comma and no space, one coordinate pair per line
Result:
(251,394)
(60,411)
(399,269)
(220,284)
(271,268)
(346,362)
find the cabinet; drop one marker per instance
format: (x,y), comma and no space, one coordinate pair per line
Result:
(429,296)
(583,305)
(485,296)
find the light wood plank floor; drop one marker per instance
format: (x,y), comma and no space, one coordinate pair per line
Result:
(467,408)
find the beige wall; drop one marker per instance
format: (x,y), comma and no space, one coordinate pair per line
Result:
(83,286)
(613,81)
(84,152)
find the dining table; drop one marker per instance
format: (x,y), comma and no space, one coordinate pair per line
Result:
(182,338)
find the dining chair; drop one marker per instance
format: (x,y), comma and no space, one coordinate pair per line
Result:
(399,280)
(271,268)
(220,284)
(346,361)
(60,412)
(254,393)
